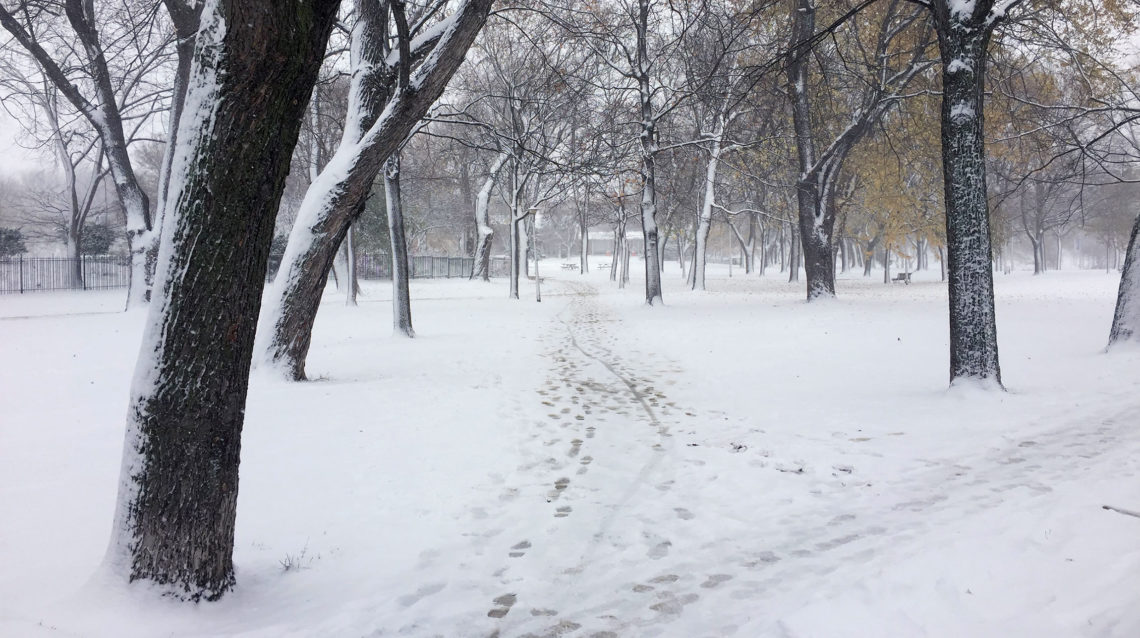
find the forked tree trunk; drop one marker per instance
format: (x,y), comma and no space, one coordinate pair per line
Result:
(382,113)
(174,522)
(401,274)
(1126,320)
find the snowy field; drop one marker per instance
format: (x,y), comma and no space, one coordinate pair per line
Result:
(736,463)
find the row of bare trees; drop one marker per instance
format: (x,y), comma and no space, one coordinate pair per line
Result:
(813,131)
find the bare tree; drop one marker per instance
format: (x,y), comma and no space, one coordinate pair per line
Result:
(884,71)
(63,211)
(102,104)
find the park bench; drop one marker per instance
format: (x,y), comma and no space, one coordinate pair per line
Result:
(569,266)
(903,277)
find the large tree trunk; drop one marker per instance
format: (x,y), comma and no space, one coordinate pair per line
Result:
(1126,320)
(973,330)
(401,292)
(382,113)
(482,267)
(814,189)
(254,68)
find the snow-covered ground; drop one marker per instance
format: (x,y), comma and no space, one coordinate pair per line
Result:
(736,463)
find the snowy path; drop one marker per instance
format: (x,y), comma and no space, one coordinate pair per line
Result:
(620,488)
(734,463)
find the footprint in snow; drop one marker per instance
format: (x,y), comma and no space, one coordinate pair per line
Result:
(504,602)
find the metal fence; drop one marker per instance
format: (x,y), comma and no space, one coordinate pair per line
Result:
(36,274)
(379,266)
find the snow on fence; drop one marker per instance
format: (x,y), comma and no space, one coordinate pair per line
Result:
(36,274)
(39,274)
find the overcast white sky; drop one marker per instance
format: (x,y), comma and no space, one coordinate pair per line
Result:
(15,160)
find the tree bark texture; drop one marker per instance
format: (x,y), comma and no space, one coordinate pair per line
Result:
(1126,320)
(254,67)
(963,40)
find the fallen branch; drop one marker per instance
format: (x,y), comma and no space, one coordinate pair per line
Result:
(1121,511)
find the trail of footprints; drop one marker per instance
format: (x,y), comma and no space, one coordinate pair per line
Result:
(576,399)
(576,403)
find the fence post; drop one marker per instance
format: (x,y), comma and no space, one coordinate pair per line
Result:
(83,271)
(21,274)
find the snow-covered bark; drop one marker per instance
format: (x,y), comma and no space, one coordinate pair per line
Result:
(401,273)
(964,31)
(186,16)
(387,99)
(1126,320)
(175,515)
(482,267)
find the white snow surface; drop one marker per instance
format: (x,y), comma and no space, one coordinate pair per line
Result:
(734,463)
